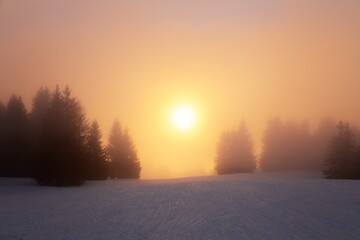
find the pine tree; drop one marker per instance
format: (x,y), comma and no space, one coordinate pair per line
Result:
(273,144)
(97,166)
(124,162)
(38,115)
(131,156)
(342,160)
(2,137)
(235,152)
(321,138)
(2,112)
(40,107)
(15,161)
(61,160)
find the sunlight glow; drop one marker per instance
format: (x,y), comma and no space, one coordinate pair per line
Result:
(183,117)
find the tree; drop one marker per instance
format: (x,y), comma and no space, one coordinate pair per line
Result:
(2,137)
(288,146)
(2,112)
(62,142)
(124,162)
(97,167)
(235,152)
(38,115)
(15,160)
(270,159)
(321,138)
(40,107)
(342,160)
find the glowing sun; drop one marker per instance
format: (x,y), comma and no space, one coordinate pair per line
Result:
(183,117)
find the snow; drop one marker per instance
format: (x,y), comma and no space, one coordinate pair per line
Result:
(239,206)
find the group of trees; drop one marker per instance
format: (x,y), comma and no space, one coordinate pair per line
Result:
(291,146)
(55,145)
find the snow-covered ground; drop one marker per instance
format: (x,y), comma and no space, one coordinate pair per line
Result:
(240,206)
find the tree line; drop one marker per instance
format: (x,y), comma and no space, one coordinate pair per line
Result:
(56,145)
(291,146)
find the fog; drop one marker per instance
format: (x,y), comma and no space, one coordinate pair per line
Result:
(232,60)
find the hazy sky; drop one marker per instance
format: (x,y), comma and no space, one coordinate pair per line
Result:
(230,59)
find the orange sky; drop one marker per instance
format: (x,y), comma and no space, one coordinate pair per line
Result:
(230,59)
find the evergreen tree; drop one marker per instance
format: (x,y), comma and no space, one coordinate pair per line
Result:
(321,138)
(61,160)
(2,137)
(124,162)
(273,144)
(40,107)
(235,152)
(133,162)
(97,166)
(15,159)
(38,115)
(2,112)
(342,160)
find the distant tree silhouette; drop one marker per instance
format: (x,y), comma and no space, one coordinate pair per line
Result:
(288,146)
(97,166)
(271,158)
(321,138)
(124,162)
(235,153)
(62,142)
(343,160)
(15,143)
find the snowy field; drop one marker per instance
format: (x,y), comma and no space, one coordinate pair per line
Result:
(241,206)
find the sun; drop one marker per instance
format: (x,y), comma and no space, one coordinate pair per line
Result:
(183,117)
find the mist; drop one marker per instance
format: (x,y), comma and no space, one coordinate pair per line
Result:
(232,60)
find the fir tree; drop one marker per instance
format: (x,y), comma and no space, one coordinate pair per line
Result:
(124,162)
(15,159)
(235,152)
(97,166)
(38,115)
(40,107)
(273,145)
(342,160)
(2,137)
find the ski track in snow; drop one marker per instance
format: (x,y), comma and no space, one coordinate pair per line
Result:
(240,206)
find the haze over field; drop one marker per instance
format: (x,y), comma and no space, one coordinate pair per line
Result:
(229,60)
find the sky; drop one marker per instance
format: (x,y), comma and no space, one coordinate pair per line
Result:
(231,60)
